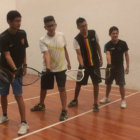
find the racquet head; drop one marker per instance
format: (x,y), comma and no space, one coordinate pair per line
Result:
(76,75)
(103,73)
(29,76)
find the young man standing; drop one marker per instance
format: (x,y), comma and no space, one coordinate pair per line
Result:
(55,55)
(13,43)
(87,47)
(115,49)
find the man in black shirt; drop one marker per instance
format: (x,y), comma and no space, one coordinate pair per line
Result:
(13,44)
(87,47)
(115,50)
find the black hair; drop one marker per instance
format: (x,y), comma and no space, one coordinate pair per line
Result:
(80,20)
(12,15)
(48,19)
(113,28)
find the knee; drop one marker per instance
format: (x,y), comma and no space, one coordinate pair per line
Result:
(4,96)
(62,89)
(78,85)
(96,85)
(18,96)
(43,91)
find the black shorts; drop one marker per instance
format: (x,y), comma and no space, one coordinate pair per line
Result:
(47,82)
(117,74)
(90,72)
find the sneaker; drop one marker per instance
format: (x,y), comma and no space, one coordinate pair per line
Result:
(95,108)
(105,100)
(63,115)
(73,103)
(3,119)
(23,128)
(123,104)
(38,107)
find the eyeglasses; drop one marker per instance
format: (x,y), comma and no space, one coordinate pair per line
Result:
(51,25)
(83,26)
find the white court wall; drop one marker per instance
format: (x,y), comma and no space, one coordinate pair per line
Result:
(5,6)
(100,15)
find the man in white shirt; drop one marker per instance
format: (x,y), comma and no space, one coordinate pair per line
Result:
(56,61)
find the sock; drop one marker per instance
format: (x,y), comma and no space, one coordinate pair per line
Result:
(5,114)
(64,110)
(23,122)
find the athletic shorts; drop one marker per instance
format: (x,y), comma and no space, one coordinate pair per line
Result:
(90,72)
(117,74)
(47,81)
(16,87)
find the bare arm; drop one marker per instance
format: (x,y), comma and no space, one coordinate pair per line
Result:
(127,62)
(100,54)
(24,69)
(10,60)
(67,58)
(46,56)
(25,57)
(108,57)
(79,57)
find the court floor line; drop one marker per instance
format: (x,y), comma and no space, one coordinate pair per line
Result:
(28,99)
(102,92)
(104,88)
(50,94)
(82,114)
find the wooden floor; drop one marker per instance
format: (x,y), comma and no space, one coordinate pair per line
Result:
(111,123)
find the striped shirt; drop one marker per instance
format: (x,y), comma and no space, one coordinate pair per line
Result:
(89,48)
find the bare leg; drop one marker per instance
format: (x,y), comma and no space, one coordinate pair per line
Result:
(108,89)
(63,97)
(96,93)
(43,94)
(77,91)
(21,106)
(122,91)
(4,103)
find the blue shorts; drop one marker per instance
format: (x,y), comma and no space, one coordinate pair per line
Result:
(16,86)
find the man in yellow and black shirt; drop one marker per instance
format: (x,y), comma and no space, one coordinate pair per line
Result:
(87,47)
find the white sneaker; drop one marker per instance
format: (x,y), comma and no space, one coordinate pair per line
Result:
(23,128)
(123,104)
(3,119)
(104,100)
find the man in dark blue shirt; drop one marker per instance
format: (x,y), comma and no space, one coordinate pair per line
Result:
(115,50)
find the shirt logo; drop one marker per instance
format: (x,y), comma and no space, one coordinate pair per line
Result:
(112,49)
(22,41)
(11,45)
(92,39)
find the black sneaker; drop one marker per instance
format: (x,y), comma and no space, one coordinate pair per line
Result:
(63,115)
(73,103)
(38,107)
(95,108)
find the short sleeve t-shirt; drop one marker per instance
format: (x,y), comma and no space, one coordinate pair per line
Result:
(55,45)
(16,44)
(88,47)
(116,51)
